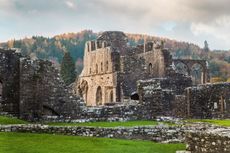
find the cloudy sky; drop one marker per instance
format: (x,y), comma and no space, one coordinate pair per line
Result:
(186,20)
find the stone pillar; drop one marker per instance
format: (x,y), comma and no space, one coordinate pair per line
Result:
(188,95)
(222,105)
(203,77)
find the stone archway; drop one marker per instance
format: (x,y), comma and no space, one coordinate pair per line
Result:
(182,68)
(99,96)
(197,73)
(189,64)
(134,96)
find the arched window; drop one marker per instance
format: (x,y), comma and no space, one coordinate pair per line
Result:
(104,44)
(107,66)
(150,67)
(197,72)
(134,96)
(101,67)
(96,68)
(99,96)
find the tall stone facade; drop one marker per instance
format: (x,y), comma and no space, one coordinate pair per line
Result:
(112,68)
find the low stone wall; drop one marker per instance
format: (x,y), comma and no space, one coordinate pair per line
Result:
(212,141)
(153,133)
(118,112)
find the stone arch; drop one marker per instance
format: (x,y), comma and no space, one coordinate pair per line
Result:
(107,66)
(50,111)
(182,68)
(150,68)
(134,96)
(102,67)
(197,71)
(99,96)
(189,63)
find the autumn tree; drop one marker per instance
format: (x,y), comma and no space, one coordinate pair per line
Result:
(68,73)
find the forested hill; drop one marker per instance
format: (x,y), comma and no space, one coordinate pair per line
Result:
(53,49)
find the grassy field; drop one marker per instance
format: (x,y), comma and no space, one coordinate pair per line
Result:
(212,121)
(9,120)
(108,124)
(45,143)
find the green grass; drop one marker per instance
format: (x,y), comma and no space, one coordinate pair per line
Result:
(108,124)
(212,121)
(9,120)
(45,143)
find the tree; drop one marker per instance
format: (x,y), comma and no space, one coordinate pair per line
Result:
(68,69)
(216,79)
(228,80)
(206,48)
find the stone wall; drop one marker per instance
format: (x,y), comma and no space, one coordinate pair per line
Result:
(42,92)
(157,96)
(212,141)
(9,81)
(208,101)
(118,112)
(153,133)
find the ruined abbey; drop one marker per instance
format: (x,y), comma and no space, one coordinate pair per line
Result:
(118,82)
(112,68)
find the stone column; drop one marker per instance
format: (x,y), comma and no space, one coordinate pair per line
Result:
(222,105)
(188,95)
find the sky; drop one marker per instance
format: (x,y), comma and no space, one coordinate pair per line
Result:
(184,20)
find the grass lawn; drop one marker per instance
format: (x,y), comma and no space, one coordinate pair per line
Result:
(9,120)
(212,121)
(45,143)
(108,124)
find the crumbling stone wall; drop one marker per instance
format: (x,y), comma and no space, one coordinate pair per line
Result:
(43,93)
(31,89)
(9,81)
(157,96)
(208,101)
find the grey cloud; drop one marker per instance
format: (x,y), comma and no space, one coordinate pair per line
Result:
(139,16)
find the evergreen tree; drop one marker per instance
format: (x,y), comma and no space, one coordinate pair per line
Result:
(68,69)
(206,48)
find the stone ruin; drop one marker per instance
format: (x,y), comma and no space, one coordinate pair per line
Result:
(118,82)
(147,78)
(32,89)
